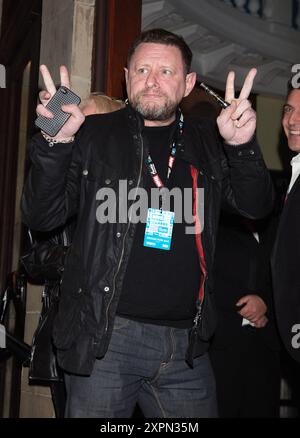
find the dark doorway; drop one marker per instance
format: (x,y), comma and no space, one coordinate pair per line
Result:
(19,55)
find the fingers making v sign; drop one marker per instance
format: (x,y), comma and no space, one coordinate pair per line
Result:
(237,122)
(77,118)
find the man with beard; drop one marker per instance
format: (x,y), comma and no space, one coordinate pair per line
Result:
(136,310)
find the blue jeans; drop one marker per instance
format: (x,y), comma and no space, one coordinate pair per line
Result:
(145,364)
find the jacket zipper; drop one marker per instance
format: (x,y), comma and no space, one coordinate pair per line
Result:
(125,235)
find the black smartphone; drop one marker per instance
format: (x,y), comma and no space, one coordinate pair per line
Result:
(63,96)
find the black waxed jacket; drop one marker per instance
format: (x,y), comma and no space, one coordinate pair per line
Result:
(64,181)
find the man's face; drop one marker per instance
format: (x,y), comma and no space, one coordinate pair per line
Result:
(156,82)
(291,120)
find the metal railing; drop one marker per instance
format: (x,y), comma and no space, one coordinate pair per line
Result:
(286,13)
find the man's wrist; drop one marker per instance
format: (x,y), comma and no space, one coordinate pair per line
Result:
(52,141)
(235,144)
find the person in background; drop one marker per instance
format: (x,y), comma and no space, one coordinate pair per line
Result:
(286,252)
(100,103)
(136,310)
(245,349)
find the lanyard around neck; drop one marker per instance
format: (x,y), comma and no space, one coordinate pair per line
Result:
(173,151)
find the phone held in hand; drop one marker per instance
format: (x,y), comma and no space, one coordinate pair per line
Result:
(63,96)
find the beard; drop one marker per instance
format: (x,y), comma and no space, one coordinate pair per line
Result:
(153,110)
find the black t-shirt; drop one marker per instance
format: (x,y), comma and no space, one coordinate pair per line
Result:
(161,286)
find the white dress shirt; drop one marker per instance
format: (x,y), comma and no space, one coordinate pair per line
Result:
(295,163)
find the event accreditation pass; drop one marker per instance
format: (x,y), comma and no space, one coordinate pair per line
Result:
(159,228)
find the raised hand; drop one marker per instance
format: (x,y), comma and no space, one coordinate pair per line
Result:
(237,122)
(77,117)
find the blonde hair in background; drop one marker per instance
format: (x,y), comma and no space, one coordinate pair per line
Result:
(99,103)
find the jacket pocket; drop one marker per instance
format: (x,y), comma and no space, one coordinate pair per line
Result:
(100,173)
(67,322)
(71,304)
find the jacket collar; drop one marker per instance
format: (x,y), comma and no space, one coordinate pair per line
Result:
(186,148)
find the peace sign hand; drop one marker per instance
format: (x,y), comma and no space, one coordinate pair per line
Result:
(77,117)
(237,122)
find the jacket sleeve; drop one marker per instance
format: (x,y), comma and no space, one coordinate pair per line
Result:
(247,185)
(51,191)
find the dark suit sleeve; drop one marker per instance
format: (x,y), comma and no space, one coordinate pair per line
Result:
(247,185)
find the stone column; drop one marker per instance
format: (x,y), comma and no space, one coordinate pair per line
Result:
(82,46)
(67,39)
